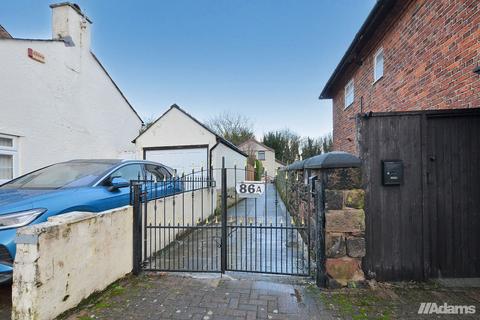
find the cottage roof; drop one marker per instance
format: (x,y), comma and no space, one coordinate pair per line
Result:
(371,24)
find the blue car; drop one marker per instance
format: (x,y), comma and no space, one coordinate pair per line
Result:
(77,185)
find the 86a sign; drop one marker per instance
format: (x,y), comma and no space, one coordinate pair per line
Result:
(250,189)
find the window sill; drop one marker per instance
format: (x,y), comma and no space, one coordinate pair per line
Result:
(375,81)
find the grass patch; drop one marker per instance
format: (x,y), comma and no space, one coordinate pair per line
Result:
(117,290)
(356,304)
(99,299)
(102,305)
(359,305)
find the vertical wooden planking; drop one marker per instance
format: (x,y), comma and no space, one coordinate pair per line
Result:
(390,219)
(454,194)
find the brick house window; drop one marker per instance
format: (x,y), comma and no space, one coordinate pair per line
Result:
(349,93)
(8,158)
(378,65)
(261,155)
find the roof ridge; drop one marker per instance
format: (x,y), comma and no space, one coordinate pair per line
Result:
(4,31)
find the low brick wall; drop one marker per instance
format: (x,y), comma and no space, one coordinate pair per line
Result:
(344,227)
(63,261)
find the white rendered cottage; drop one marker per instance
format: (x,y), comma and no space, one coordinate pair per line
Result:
(264,154)
(57,101)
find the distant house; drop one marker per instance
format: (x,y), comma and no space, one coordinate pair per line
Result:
(264,154)
(408,55)
(58,101)
(180,141)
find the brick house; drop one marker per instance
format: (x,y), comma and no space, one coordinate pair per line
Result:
(408,55)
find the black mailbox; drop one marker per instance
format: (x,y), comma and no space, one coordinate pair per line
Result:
(392,172)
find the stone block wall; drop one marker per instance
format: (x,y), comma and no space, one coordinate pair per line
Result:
(299,201)
(344,226)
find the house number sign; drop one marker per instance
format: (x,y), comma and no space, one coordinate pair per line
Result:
(250,189)
(35,55)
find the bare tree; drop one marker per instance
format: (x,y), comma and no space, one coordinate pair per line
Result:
(147,124)
(233,127)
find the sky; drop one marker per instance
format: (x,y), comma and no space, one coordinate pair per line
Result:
(265,59)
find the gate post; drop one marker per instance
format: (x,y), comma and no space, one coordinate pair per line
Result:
(137,228)
(340,219)
(223,261)
(320,274)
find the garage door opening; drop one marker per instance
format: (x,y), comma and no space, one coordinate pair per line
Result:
(183,159)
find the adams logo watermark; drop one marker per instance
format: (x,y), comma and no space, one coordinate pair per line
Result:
(433,308)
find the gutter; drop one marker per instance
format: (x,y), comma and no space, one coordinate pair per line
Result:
(376,15)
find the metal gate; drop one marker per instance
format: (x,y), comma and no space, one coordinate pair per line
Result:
(203,222)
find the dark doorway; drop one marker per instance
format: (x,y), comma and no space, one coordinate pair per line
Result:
(427,226)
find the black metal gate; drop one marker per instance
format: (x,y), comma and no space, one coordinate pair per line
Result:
(202,222)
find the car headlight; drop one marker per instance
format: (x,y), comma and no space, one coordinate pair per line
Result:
(20,218)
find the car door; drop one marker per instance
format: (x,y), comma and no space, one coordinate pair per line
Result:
(114,198)
(161,183)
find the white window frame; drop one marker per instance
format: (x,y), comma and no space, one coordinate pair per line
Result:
(11,151)
(375,56)
(264,155)
(346,103)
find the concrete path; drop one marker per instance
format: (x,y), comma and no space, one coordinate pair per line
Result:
(274,244)
(261,237)
(206,297)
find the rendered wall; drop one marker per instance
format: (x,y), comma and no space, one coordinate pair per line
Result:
(232,159)
(66,108)
(174,129)
(63,261)
(189,208)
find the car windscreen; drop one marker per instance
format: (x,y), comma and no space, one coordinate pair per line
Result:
(61,175)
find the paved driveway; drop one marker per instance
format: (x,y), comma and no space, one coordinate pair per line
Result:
(5,301)
(206,297)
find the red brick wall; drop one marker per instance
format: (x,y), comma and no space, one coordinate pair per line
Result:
(430,51)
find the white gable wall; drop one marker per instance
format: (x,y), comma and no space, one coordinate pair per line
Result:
(65,108)
(174,129)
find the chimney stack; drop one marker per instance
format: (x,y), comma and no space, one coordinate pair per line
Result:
(70,24)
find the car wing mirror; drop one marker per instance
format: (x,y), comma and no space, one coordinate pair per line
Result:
(117,183)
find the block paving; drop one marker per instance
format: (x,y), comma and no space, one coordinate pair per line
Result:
(206,297)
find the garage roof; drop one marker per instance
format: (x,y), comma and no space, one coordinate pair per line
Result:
(219,138)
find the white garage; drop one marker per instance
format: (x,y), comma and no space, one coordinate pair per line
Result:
(183,159)
(183,143)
